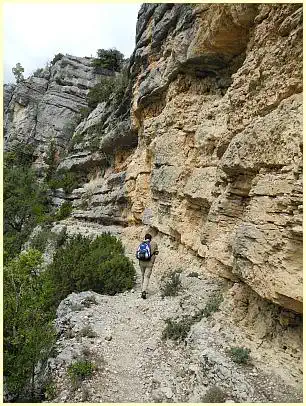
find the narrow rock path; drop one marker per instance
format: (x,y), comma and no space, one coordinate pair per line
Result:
(133,362)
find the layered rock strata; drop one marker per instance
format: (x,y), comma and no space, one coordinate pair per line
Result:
(206,147)
(219,162)
(47,105)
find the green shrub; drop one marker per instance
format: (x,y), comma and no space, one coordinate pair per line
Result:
(214,395)
(177,330)
(213,304)
(193,275)
(171,284)
(94,143)
(40,240)
(88,301)
(87,331)
(101,92)
(241,355)
(51,160)
(50,390)
(111,59)
(76,139)
(56,58)
(25,200)
(63,212)
(37,73)
(110,87)
(61,237)
(98,265)
(28,333)
(80,370)
(66,180)
(68,129)
(18,73)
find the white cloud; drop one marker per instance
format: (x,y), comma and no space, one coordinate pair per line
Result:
(34,33)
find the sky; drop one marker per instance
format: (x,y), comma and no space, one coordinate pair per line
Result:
(34,33)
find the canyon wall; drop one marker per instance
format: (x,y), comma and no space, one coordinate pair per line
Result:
(218,108)
(206,146)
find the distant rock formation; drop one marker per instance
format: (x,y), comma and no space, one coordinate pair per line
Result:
(45,106)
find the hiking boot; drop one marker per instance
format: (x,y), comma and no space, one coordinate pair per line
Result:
(144,294)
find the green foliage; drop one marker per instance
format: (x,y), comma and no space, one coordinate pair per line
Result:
(240,355)
(40,240)
(193,275)
(69,128)
(109,88)
(111,59)
(94,143)
(18,72)
(75,140)
(51,160)
(61,237)
(37,73)
(98,265)
(63,212)
(177,330)
(87,331)
(213,304)
(44,236)
(67,180)
(50,390)
(20,155)
(28,332)
(56,58)
(25,200)
(101,92)
(214,395)
(171,284)
(80,370)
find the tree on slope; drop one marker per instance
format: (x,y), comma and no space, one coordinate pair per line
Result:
(18,72)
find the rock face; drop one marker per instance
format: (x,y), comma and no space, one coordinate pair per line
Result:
(219,161)
(206,146)
(47,106)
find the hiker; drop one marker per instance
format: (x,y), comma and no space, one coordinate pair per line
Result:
(146,254)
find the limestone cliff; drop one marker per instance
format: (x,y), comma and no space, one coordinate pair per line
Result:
(47,105)
(205,151)
(206,146)
(218,107)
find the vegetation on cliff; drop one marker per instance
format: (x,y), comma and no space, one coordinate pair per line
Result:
(110,87)
(31,293)
(31,297)
(25,199)
(111,59)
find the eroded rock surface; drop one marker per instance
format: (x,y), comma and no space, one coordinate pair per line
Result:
(47,106)
(219,161)
(205,152)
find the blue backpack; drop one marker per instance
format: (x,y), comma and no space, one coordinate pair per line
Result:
(143,252)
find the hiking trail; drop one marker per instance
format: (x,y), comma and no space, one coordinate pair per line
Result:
(134,364)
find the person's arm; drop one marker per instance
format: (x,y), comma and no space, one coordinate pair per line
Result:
(156,252)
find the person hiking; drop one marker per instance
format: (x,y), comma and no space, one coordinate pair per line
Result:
(146,254)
